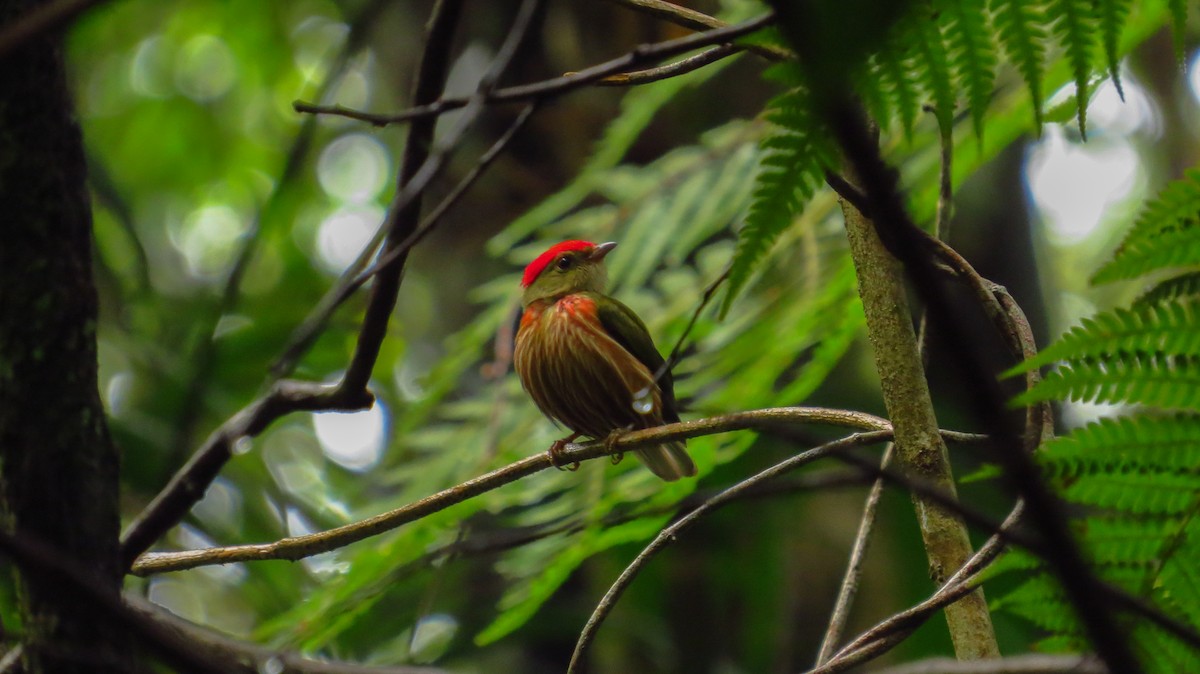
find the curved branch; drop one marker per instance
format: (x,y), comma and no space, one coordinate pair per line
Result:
(675,69)
(299,547)
(669,534)
(895,629)
(538,91)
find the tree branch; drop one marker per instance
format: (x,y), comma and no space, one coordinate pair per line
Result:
(697,21)
(895,629)
(919,448)
(189,484)
(299,547)
(358,273)
(669,534)
(547,89)
(895,227)
(675,69)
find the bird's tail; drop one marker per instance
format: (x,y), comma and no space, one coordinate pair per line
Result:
(669,461)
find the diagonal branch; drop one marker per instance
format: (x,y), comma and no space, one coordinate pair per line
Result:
(299,547)
(189,483)
(358,273)
(669,534)
(552,88)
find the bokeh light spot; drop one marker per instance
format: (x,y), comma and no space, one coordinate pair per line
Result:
(149,71)
(342,235)
(1073,185)
(205,68)
(353,168)
(208,239)
(353,440)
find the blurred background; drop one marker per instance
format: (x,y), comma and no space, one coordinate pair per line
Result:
(200,166)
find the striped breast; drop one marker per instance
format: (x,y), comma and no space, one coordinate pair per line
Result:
(577,374)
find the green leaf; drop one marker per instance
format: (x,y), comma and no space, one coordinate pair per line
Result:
(1020,29)
(973,55)
(1113,14)
(1160,380)
(1184,286)
(792,169)
(1171,328)
(1076,29)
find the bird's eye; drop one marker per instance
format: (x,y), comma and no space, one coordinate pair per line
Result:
(564,263)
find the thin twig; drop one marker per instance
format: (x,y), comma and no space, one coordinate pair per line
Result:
(203,359)
(557,86)
(674,69)
(854,567)
(188,484)
(1010,322)
(880,182)
(890,632)
(669,534)
(299,547)
(698,21)
(419,165)
(358,274)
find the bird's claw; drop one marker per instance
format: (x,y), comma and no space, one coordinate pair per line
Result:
(556,454)
(611,441)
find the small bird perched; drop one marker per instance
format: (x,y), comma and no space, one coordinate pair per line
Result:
(587,360)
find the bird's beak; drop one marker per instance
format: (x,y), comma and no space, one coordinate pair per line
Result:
(600,250)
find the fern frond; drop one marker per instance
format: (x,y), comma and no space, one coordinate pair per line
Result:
(873,90)
(1144,444)
(1141,494)
(1125,542)
(1176,207)
(896,76)
(935,70)
(973,54)
(1171,327)
(1019,28)
(1179,248)
(1112,15)
(1076,29)
(1041,601)
(1184,286)
(791,171)
(1159,380)
(1180,574)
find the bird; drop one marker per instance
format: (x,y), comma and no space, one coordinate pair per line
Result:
(588,361)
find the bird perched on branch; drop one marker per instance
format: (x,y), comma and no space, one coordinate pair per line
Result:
(588,361)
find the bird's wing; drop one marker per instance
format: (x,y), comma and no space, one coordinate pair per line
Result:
(630,332)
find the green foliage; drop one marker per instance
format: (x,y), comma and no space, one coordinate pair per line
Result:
(1075,25)
(795,156)
(1163,236)
(790,313)
(938,57)
(1021,28)
(1137,476)
(973,53)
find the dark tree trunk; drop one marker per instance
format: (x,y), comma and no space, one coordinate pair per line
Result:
(58,466)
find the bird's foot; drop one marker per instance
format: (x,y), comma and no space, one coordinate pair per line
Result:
(556,453)
(611,441)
